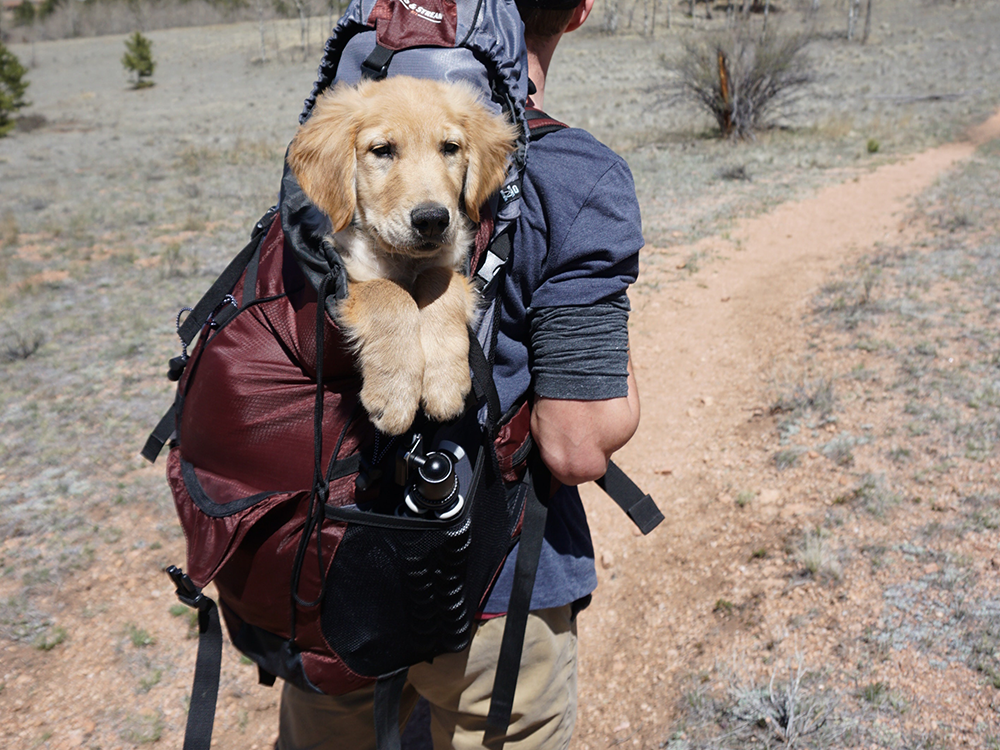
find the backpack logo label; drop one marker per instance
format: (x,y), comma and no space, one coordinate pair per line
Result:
(511,193)
(405,24)
(424,13)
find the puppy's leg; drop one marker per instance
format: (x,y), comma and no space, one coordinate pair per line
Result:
(447,306)
(382,320)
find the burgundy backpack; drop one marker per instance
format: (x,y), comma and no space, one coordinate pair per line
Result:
(343,556)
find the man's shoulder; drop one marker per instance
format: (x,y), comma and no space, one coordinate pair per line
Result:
(567,166)
(574,145)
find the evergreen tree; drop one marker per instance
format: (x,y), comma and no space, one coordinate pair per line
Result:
(12,88)
(24,14)
(138,59)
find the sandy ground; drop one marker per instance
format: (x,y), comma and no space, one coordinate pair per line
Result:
(715,344)
(126,204)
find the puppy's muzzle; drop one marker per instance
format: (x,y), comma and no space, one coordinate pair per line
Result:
(430,220)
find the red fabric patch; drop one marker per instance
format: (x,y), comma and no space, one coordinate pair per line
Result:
(400,24)
(509,440)
(484,233)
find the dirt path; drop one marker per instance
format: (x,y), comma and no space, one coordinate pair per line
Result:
(703,353)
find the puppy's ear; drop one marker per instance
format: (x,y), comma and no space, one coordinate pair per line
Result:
(490,141)
(322,155)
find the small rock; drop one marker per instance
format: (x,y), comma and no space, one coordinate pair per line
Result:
(931,569)
(768,497)
(607,560)
(790,511)
(707,400)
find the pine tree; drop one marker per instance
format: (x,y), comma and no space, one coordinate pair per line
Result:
(25,13)
(138,59)
(12,88)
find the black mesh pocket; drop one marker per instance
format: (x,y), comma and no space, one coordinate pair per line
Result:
(403,590)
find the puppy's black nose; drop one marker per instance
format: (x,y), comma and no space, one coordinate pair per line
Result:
(430,219)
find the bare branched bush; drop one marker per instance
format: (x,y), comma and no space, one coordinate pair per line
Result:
(742,77)
(791,714)
(19,345)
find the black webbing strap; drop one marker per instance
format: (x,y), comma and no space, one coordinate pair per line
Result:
(388,691)
(538,481)
(217,293)
(250,281)
(223,285)
(159,436)
(482,378)
(205,688)
(376,65)
(639,506)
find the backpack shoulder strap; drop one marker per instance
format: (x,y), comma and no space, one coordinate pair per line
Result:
(489,260)
(537,481)
(540,124)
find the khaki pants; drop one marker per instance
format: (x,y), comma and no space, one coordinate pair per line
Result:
(458,688)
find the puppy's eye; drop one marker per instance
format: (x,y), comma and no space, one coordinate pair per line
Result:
(450,147)
(381,150)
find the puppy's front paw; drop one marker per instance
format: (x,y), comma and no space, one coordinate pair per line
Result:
(447,308)
(383,322)
(391,402)
(446,384)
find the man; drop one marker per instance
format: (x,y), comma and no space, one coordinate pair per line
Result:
(563,337)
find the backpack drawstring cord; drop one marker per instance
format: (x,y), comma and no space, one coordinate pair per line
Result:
(320,485)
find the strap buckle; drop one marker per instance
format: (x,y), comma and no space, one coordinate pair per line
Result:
(187,592)
(376,65)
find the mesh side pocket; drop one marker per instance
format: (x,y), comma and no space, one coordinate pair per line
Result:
(401,591)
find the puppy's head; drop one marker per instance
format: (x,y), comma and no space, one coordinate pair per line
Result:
(402,158)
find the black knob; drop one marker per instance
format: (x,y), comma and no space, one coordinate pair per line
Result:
(437,478)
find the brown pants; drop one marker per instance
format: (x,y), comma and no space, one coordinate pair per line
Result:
(458,688)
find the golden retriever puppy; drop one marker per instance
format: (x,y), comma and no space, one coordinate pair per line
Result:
(402,166)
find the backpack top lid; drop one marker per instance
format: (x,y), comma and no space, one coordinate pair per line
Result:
(477,41)
(480,42)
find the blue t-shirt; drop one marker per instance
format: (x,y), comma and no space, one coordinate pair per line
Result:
(577,244)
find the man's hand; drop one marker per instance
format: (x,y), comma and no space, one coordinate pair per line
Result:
(577,438)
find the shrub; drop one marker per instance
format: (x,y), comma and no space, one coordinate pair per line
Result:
(48,641)
(12,88)
(138,59)
(47,7)
(740,77)
(19,345)
(24,14)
